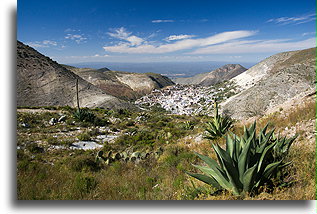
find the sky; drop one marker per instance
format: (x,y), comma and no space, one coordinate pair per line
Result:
(72,31)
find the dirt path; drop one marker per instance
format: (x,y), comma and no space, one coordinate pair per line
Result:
(41,110)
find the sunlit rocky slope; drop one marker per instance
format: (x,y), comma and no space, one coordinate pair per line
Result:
(274,81)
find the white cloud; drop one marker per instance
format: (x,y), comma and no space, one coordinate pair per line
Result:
(85,57)
(231,42)
(308,33)
(162,20)
(49,42)
(36,45)
(235,57)
(42,44)
(94,56)
(178,37)
(78,38)
(122,33)
(293,20)
(145,47)
(203,20)
(256,46)
(134,40)
(70,30)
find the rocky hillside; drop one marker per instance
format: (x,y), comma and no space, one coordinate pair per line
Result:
(225,72)
(194,80)
(272,82)
(43,82)
(123,85)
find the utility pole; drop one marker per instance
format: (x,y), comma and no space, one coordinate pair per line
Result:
(77,95)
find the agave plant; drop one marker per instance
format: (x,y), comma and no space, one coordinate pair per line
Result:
(84,115)
(247,162)
(218,126)
(282,146)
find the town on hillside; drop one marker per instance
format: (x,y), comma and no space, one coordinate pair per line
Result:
(188,99)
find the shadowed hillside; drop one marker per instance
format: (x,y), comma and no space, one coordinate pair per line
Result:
(43,82)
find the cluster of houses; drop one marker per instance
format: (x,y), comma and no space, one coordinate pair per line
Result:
(182,99)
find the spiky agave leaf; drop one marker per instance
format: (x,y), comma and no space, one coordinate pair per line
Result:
(282,146)
(206,179)
(246,163)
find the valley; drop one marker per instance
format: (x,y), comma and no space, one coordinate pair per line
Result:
(142,136)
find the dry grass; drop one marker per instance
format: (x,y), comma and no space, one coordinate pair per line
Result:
(300,113)
(52,175)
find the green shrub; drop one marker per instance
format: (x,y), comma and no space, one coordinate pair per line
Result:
(94,132)
(25,165)
(122,113)
(83,163)
(188,125)
(84,115)
(130,123)
(34,148)
(66,108)
(85,136)
(52,140)
(84,184)
(100,122)
(87,118)
(141,137)
(248,162)
(175,156)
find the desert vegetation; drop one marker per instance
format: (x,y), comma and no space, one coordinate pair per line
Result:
(154,155)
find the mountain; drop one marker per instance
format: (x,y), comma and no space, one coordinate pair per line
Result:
(274,81)
(194,80)
(124,85)
(43,82)
(226,72)
(218,75)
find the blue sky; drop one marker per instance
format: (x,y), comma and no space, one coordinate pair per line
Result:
(72,31)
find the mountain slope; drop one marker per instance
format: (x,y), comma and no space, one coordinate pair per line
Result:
(124,85)
(43,82)
(194,80)
(273,81)
(225,72)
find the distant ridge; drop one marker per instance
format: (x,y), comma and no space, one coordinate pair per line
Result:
(223,73)
(226,72)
